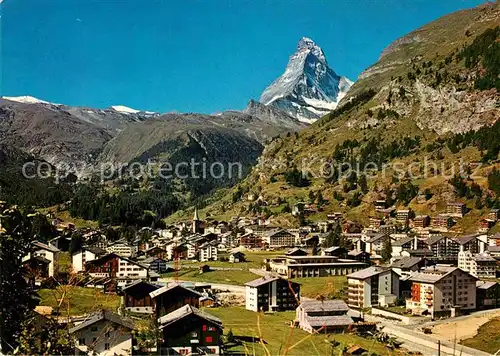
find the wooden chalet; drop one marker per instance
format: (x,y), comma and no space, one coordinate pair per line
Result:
(169,298)
(136,297)
(189,331)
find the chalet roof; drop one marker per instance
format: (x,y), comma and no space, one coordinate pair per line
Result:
(333,320)
(406,262)
(377,237)
(184,311)
(168,288)
(237,253)
(485,285)
(433,239)
(277,231)
(112,254)
(403,241)
(295,250)
(368,272)
(103,314)
(94,249)
(462,240)
(325,305)
(43,246)
(264,280)
(434,274)
(139,282)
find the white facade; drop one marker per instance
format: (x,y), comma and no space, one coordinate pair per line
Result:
(480,265)
(51,253)
(208,252)
(104,339)
(122,249)
(251,296)
(129,269)
(79,259)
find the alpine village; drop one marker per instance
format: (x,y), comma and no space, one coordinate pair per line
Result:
(283,260)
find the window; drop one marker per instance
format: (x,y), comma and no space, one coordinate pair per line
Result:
(107,334)
(94,328)
(204,328)
(194,334)
(106,346)
(209,339)
(81,341)
(211,328)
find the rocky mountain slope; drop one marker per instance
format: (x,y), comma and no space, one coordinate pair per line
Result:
(410,107)
(309,88)
(79,139)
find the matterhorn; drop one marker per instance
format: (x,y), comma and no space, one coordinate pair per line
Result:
(309,88)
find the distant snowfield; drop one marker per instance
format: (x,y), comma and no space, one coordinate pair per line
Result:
(124,109)
(26,99)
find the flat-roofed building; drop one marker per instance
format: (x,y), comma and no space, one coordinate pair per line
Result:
(313,266)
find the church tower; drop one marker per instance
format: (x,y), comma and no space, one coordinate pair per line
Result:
(197,224)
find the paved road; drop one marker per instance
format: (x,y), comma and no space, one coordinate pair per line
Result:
(427,344)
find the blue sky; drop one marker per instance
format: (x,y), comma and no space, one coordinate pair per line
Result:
(189,55)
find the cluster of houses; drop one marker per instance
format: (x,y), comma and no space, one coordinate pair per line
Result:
(431,271)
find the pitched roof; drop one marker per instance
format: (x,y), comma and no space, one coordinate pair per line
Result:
(261,281)
(377,237)
(406,262)
(368,272)
(433,239)
(95,250)
(403,241)
(332,248)
(103,314)
(465,239)
(184,311)
(485,285)
(43,246)
(434,274)
(136,283)
(294,250)
(326,305)
(355,252)
(168,288)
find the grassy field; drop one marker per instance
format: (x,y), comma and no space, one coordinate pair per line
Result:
(240,275)
(325,286)
(277,335)
(78,300)
(223,277)
(487,338)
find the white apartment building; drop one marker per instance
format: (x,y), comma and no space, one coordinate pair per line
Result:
(49,252)
(85,254)
(372,286)
(441,290)
(480,265)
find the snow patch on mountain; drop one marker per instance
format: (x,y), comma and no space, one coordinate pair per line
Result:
(309,88)
(26,99)
(124,109)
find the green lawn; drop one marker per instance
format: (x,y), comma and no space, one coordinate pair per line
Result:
(277,334)
(78,300)
(487,338)
(223,277)
(312,287)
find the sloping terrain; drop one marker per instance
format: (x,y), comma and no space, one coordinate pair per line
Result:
(428,87)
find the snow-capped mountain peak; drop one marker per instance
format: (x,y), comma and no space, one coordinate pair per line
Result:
(26,99)
(309,88)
